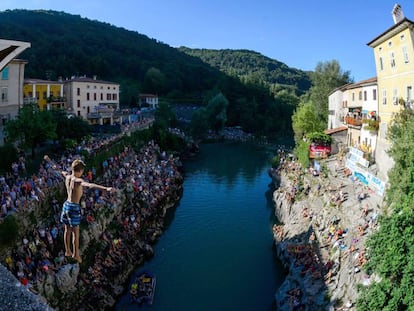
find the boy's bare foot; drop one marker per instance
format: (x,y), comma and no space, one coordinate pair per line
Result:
(68,254)
(78,258)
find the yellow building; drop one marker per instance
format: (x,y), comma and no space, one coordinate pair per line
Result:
(393,51)
(46,94)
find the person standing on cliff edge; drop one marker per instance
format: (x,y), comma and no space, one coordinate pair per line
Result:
(71,211)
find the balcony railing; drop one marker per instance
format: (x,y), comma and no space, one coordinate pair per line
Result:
(353,121)
(29,100)
(56,99)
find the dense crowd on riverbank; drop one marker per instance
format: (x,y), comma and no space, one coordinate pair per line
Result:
(149,179)
(326,216)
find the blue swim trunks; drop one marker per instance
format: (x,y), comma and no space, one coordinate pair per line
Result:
(71,214)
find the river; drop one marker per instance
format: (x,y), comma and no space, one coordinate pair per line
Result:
(217,252)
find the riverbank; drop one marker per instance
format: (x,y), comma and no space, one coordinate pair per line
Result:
(325,221)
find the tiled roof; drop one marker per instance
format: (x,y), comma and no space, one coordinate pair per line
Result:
(335,130)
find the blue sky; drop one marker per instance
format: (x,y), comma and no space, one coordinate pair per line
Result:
(299,33)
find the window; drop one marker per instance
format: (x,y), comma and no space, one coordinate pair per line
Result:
(395,96)
(374,94)
(5,73)
(384,97)
(405,54)
(4,94)
(78,91)
(94,96)
(360,95)
(78,103)
(409,94)
(108,96)
(87,96)
(101,96)
(365,95)
(44,95)
(353,96)
(78,113)
(114,96)
(392,60)
(381,64)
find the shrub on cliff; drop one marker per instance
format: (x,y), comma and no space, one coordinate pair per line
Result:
(302,152)
(9,155)
(8,231)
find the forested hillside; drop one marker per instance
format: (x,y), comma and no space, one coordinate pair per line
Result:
(64,45)
(253,66)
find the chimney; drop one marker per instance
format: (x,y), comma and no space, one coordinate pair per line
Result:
(397,13)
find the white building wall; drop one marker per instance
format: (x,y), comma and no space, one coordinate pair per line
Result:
(369,106)
(336,110)
(9,106)
(100,93)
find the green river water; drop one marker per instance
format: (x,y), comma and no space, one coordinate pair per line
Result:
(217,252)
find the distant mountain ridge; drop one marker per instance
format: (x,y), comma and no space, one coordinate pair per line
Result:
(66,45)
(251,65)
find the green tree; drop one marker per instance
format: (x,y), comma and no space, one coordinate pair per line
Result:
(70,127)
(326,77)
(305,120)
(154,81)
(199,123)
(31,127)
(8,156)
(401,177)
(392,258)
(217,112)
(165,117)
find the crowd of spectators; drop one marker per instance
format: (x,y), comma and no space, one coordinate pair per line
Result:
(330,239)
(147,177)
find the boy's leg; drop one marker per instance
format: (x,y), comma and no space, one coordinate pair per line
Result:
(76,253)
(67,239)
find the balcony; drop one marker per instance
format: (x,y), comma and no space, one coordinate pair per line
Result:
(371,125)
(29,100)
(56,99)
(356,122)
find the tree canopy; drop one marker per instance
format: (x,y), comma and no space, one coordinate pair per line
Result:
(326,78)
(31,127)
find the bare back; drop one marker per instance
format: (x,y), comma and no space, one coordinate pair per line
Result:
(74,188)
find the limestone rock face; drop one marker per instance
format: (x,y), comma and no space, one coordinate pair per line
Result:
(67,277)
(49,286)
(323,269)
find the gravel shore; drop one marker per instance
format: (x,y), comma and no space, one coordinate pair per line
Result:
(14,296)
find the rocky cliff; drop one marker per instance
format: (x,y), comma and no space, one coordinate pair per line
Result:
(325,218)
